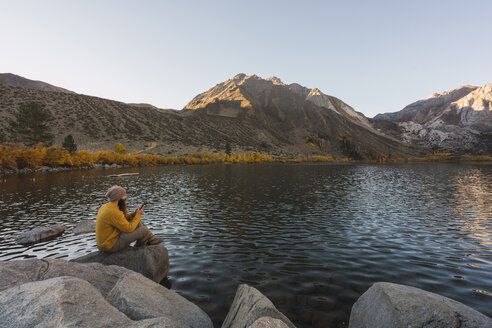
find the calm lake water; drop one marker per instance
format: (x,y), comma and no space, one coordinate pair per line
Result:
(311,237)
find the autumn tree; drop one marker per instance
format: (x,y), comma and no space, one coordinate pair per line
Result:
(69,144)
(119,148)
(29,124)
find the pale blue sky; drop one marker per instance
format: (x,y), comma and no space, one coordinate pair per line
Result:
(377,56)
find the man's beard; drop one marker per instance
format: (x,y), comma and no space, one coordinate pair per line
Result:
(122,206)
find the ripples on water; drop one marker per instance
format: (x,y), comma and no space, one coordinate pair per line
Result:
(311,237)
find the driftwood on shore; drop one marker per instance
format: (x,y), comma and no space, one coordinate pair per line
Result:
(122,175)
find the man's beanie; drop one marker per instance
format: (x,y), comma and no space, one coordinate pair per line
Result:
(115,193)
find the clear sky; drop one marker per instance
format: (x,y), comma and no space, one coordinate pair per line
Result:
(377,56)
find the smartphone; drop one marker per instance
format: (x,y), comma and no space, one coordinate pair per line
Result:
(144,204)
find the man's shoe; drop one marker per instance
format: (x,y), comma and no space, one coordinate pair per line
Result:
(155,241)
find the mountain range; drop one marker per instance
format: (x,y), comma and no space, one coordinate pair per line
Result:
(459,120)
(254,114)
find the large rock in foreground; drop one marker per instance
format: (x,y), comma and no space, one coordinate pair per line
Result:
(102,277)
(57,302)
(32,291)
(160,322)
(250,305)
(392,305)
(267,322)
(39,234)
(151,261)
(85,226)
(139,298)
(13,273)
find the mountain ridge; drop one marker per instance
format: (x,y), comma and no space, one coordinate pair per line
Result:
(313,95)
(458,120)
(418,110)
(294,111)
(246,111)
(14,80)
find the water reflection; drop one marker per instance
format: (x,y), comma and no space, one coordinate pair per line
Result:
(311,237)
(474,205)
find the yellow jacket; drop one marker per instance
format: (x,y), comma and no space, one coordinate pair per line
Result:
(110,221)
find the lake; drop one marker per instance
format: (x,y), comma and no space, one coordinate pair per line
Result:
(311,237)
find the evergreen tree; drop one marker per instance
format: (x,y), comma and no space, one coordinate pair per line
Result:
(3,138)
(348,149)
(228,148)
(29,124)
(69,144)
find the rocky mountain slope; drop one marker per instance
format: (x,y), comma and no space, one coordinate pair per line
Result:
(428,108)
(13,80)
(294,117)
(97,124)
(459,121)
(247,112)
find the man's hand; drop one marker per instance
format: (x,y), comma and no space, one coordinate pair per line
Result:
(140,210)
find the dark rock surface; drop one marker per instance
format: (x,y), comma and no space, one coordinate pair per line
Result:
(250,305)
(268,322)
(58,293)
(40,234)
(57,302)
(161,322)
(85,226)
(13,273)
(140,298)
(151,261)
(392,305)
(103,277)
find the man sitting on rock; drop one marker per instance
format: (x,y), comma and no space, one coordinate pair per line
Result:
(116,229)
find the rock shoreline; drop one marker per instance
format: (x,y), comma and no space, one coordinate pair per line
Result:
(150,261)
(47,169)
(386,304)
(55,292)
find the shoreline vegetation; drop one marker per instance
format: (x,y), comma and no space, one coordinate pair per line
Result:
(21,159)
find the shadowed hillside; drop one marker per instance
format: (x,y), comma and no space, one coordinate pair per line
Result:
(21,82)
(97,123)
(246,112)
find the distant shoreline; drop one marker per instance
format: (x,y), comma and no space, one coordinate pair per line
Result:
(18,159)
(47,169)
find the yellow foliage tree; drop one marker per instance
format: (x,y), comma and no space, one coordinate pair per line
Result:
(12,157)
(119,148)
